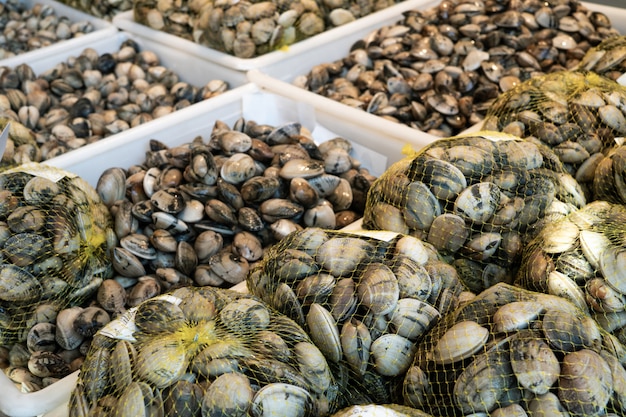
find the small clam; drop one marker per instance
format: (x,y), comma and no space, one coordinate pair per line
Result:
(459,342)
(392,354)
(536,367)
(585,384)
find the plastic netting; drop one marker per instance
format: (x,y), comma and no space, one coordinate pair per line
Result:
(578,114)
(55,235)
(476,198)
(203,350)
(364,300)
(513,352)
(607,58)
(582,257)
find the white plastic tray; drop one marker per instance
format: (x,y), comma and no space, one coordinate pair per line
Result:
(282,62)
(102,30)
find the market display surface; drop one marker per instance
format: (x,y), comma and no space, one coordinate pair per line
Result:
(256,269)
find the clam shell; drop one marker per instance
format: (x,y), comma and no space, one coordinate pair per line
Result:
(161,361)
(238,400)
(585,385)
(483,383)
(536,367)
(459,342)
(281,400)
(412,318)
(324,332)
(356,342)
(561,285)
(593,244)
(559,237)
(392,354)
(613,268)
(564,332)
(378,289)
(516,315)
(340,256)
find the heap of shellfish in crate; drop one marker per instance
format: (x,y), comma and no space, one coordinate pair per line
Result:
(484,276)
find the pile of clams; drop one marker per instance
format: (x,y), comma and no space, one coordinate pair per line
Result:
(203,212)
(439,69)
(90,96)
(55,240)
(582,258)
(512,352)
(203,351)
(476,198)
(30,28)
(104,9)
(578,114)
(364,300)
(247,29)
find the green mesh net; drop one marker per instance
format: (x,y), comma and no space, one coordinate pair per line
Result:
(365,299)
(54,245)
(513,352)
(476,198)
(203,351)
(578,114)
(582,258)
(608,58)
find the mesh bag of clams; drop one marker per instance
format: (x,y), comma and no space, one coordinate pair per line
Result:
(364,298)
(476,198)
(582,257)
(513,352)
(607,58)
(578,114)
(203,351)
(55,239)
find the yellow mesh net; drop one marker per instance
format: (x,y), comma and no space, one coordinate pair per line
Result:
(476,198)
(513,352)
(365,300)
(54,244)
(578,114)
(203,350)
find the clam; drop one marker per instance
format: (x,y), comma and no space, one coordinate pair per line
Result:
(535,365)
(460,341)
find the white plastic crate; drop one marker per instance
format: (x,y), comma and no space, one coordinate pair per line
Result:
(102,30)
(281,62)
